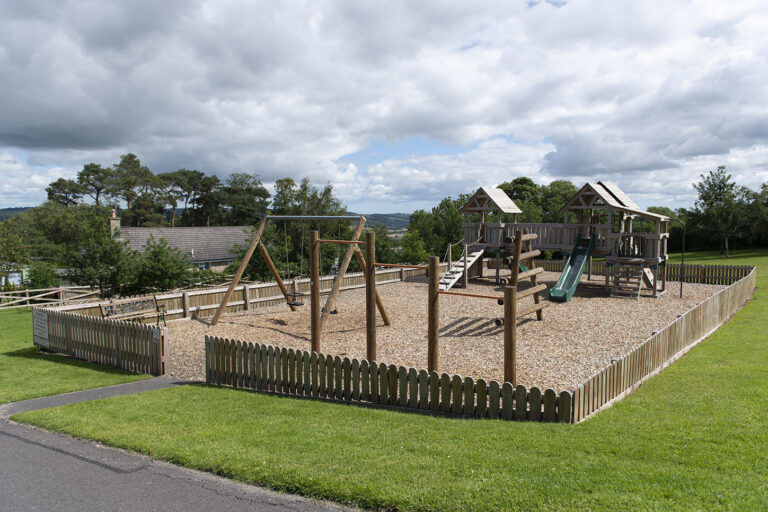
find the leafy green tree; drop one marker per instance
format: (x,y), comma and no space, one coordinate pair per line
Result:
(553,198)
(64,192)
(94,180)
(385,246)
(13,254)
(43,275)
(162,267)
(527,196)
(414,251)
(129,179)
(105,263)
(716,208)
(245,199)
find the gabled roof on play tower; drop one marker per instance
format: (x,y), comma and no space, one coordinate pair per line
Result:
(605,194)
(490,199)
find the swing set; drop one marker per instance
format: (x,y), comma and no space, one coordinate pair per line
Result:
(295,298)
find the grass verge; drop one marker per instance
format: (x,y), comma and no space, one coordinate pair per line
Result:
(26,373)
(692,437)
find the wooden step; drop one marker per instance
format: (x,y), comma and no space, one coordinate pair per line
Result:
(528,273)
(531,291)
(532,309)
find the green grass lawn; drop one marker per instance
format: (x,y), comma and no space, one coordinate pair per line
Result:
(27,373)
(691,438)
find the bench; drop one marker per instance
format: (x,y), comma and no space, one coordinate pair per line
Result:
(129,309)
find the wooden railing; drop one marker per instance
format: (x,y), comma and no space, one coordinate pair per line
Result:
(300,373)
(702,274)
(130,346)
(49,296)
(203,303)
(624,375)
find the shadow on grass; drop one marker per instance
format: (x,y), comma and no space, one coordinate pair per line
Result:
(34,354)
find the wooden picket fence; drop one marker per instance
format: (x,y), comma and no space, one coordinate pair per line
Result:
(702,274)
(624,375)
(129,345)
(203,303)
(300,373)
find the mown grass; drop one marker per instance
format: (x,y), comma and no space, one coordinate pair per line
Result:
(26,373)
(691,438)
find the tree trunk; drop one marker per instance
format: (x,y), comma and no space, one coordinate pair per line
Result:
(173,217)
(726,248)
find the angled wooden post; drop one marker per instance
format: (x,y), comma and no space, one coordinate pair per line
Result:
(239,273)
(370,296)
(433,315)
(510,335)
(314,289)
(279,280)
(331,300)
(364,269)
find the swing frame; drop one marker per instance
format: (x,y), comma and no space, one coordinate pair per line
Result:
(256,243)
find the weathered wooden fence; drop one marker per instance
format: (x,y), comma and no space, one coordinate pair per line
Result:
(131,346)
(202,303)
(702,274)
(624,375)
(48,296)
(301,373)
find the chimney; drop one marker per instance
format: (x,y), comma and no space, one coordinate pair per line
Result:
(114,224)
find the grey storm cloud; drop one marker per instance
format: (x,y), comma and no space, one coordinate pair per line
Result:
(588,88)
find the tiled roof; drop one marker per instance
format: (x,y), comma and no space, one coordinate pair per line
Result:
(489,199)
(200,244)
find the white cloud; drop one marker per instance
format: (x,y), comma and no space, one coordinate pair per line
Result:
(648,94)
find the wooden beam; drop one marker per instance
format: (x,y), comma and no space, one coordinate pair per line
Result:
(433,315)
(330,302)
(314,289)
(265,254)
(240,270)
(370,297)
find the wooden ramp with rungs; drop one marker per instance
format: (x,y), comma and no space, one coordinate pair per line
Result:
(455,273)
(524,242)
(627,280)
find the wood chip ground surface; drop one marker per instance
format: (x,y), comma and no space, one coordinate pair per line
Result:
(574,340)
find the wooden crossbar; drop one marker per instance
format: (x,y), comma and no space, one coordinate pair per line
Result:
(475,295)
(349,242)
(530,291)
(530,236)
(533,272)
(398,265)
(532,309)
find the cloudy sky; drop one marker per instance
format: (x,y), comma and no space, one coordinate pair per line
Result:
(397,104)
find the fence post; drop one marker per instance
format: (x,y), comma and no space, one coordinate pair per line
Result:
(247,295)
(185,304)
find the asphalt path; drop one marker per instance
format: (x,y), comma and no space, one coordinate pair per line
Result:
(44,471)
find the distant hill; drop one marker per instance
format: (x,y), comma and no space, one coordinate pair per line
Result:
(7,213)
(392,221)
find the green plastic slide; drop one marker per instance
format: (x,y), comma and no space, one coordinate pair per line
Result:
(574,267)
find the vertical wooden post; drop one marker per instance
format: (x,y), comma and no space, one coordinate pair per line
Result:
(510,335)
(370,296)
(246,297)
(185,303)
(450,257)
(433,315)
(314,288)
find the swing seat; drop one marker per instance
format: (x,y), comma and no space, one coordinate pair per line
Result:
(295,299)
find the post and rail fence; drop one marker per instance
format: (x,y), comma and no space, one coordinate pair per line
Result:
(46,296)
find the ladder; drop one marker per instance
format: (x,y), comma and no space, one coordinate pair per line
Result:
(627,280)
(455,273)
(524,241)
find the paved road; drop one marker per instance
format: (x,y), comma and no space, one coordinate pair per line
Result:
(43,471)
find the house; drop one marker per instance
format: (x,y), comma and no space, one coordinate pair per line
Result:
(209,248)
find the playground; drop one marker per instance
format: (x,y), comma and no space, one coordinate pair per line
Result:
(574,339)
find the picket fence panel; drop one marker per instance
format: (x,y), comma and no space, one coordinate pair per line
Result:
(300,373)
(131,346)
